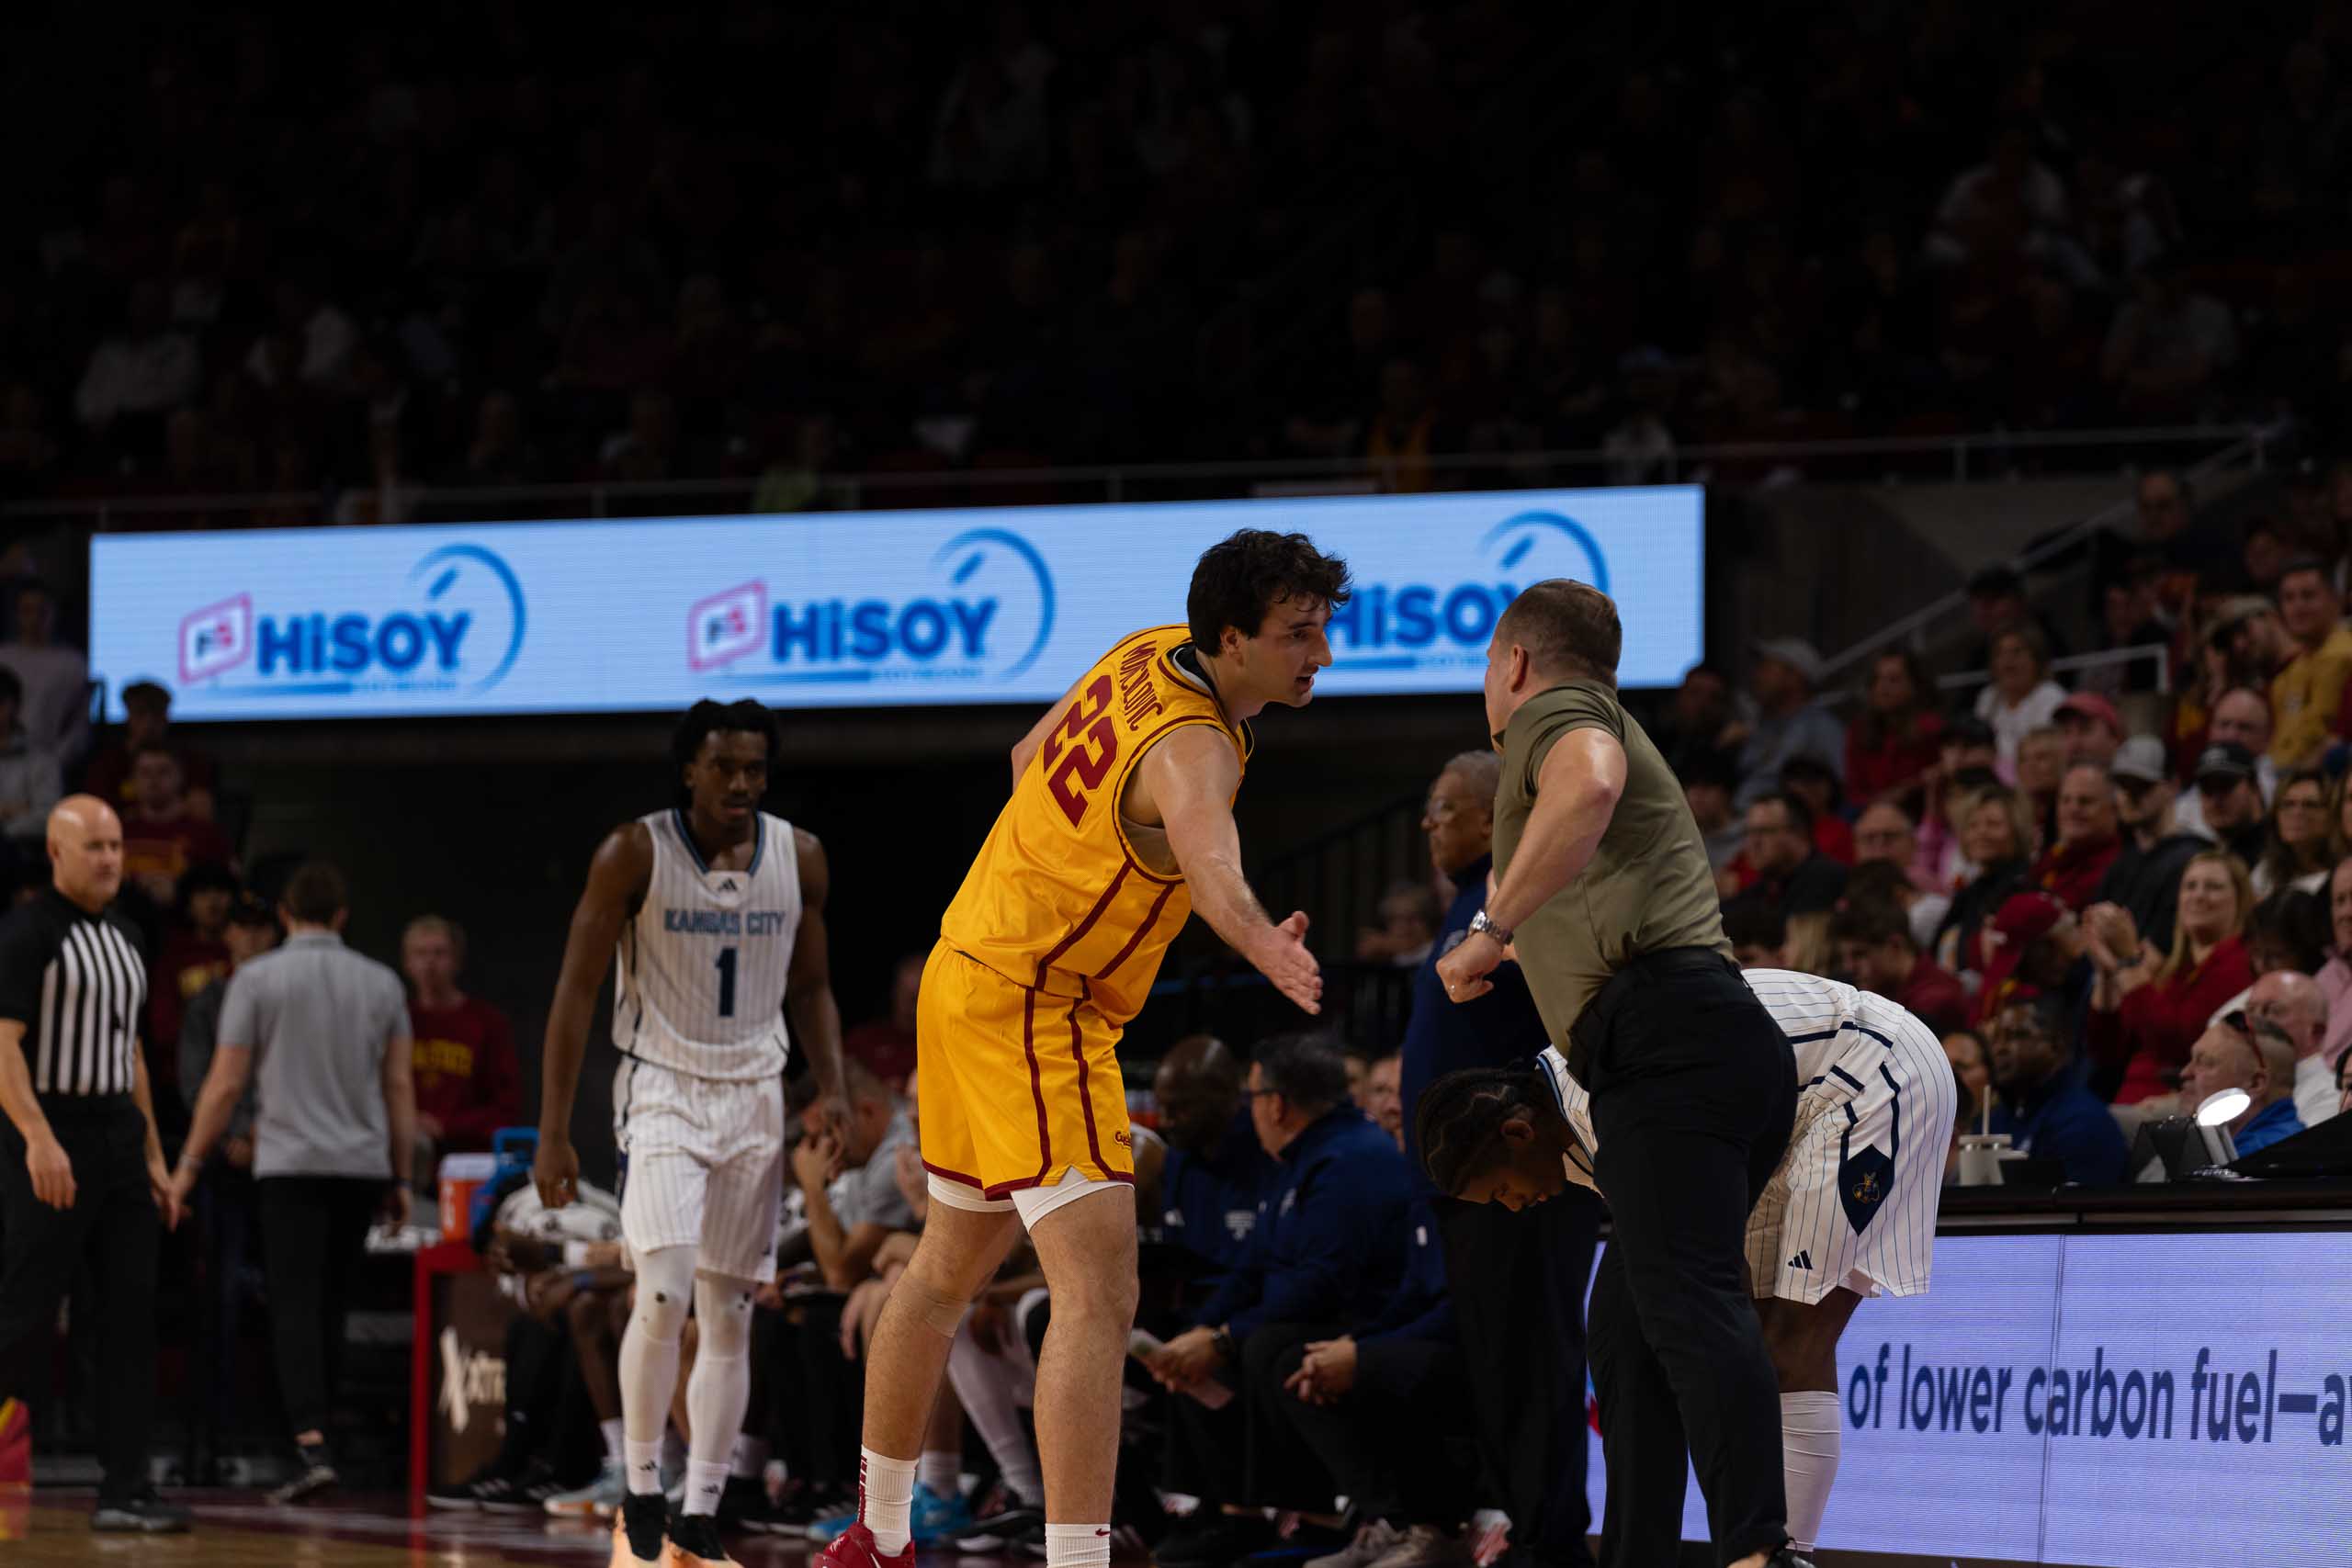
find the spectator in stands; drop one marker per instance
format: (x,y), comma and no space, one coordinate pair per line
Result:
(2300,850)
(1791,876)
(1408,913)
(2266,547)
(1876,952)
(2072,869)
(2335,975)
(1378,1407)
(160,839)
(2092,729)
(1884,882)
(1707,784)
(2148,1008)
(1694,725)
(2037,944)
(1965,1049)
(139,372)
(2254,1055)
(2344,1088)
(2242,717)
(2306,696)
(2041,768)
(54,679)
(195,953)
(1790,722)
(2129,619)
(2043,1106)
(2145,877)
(2294,1003)
(1213,1170)
(469,1080)
(1328,1253)
(1383,1099)
(2021,696)
(2230,800)
(2288,931)
(1816,784)
(1898,737)
(1758,936)
(887,1044)
(1997,602)
(2167,347)
(146,720)
(1518,1287)
(850,1180)
(326,1032)
(1884,836)
(1999,845)
(1968,769)
(1805,946)
(30,781)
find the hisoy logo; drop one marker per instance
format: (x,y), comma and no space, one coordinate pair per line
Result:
(1405,626)
(980,607)
(454,623)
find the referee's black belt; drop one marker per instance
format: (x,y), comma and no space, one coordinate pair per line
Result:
(1646,972)
(85,1106)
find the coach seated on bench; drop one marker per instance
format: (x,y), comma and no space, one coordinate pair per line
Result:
(1326,1255)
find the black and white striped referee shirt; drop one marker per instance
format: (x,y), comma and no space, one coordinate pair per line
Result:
(77,983)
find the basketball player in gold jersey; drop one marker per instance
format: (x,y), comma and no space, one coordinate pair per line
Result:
(1120,824)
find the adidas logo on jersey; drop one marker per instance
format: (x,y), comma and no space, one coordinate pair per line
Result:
(1801,1260)
(728,886)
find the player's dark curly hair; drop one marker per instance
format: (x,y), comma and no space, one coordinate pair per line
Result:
(707,718)
(1459,1125)
(1241,578)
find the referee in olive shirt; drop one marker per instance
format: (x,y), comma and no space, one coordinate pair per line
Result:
(81,1172)
(1603,888)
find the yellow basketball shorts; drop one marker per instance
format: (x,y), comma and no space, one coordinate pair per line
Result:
(1017,1089)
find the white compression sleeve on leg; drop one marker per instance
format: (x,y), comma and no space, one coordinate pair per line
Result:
(986,1386)
(665,1279)
(720,1387)
(1810,1439)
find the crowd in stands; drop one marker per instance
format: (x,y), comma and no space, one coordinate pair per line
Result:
(2155,906)
(531,244)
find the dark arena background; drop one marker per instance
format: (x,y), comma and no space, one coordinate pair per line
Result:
(407,414)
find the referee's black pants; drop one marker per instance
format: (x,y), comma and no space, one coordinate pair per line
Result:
(315,1237)
(112,1224)
(1693,1095)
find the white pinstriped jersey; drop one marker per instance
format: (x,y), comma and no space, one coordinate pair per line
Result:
(705,962)
(1854,1199)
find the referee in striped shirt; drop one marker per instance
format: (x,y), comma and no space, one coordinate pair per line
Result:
(82,1174)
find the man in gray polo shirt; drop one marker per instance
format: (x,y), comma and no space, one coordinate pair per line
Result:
(326,1032)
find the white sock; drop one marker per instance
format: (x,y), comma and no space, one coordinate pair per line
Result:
(942,1472)
(705,1482)
(643,1467)
(885,1495)
(748,1458)
(616,1434)
(1810,1435)
(1078,1546)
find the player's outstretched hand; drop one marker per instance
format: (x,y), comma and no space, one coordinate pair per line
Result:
(555,1171)
(1280,955)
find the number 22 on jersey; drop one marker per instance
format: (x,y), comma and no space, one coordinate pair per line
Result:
(1073,774)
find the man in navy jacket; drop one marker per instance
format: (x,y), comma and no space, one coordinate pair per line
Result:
(2044,1107)
(1327,1256)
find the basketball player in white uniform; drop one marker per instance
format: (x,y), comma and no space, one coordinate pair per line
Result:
(717,911)
(1851,1212)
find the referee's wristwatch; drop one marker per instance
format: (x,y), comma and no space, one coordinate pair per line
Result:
(1221,1341)
(1481,926)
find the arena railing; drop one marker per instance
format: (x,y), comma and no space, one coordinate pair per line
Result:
(1963,458)
(2249,448)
